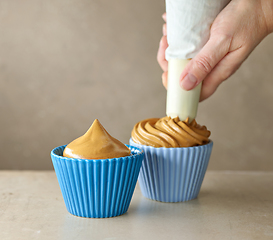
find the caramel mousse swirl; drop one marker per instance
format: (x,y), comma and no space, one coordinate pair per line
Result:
(169,132)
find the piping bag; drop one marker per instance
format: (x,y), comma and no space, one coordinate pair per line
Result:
(188,30)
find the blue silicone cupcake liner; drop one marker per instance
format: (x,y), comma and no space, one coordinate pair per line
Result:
(97,188)
(173,174)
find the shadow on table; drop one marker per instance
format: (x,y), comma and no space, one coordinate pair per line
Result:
(231,196)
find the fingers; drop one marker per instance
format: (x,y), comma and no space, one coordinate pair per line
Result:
(201,65)
(165,79)
(161,54)
(164,16)
(164,30)
(223,70)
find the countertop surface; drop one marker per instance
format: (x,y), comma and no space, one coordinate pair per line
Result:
(231,205)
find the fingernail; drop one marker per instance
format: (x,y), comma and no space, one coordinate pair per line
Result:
(164,30)
(188,82)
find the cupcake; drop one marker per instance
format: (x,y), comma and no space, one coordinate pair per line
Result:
(97,173)
(176,156)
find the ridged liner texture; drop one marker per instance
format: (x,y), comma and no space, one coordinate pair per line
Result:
(173,174)
(97,188)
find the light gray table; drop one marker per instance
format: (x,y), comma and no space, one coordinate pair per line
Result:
(231,205)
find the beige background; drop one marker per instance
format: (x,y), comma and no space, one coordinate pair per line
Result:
(65,63)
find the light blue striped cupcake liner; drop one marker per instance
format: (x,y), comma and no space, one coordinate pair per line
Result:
(97,188)
(173,174)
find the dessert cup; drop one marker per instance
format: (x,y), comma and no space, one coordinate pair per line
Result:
(173,174)
(97,188)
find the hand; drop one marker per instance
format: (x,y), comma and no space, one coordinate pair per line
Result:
(234,34)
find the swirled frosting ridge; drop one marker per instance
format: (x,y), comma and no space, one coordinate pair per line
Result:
(169,132)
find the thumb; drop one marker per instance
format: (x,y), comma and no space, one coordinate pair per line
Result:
(203,63)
